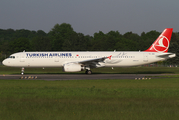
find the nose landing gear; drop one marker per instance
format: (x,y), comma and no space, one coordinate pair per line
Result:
(22,71)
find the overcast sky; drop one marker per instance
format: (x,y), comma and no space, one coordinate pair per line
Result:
(90,16)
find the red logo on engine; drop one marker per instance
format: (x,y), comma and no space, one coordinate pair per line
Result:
(162,44)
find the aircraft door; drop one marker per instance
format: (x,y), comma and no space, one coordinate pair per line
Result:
(145,55)
(22,58)
(56,59)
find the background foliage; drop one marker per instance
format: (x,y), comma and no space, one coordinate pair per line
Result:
(63,38)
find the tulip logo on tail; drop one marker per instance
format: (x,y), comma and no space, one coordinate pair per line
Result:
(161,45)
(162,42)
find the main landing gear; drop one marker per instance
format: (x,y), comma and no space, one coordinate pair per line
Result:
(88,72)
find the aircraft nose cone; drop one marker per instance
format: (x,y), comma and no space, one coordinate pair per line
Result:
(5,62)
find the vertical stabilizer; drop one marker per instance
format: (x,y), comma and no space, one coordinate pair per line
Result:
(161,44)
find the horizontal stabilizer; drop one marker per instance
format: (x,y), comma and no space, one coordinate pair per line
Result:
(166,56)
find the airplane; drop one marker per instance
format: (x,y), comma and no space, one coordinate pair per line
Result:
(78,61)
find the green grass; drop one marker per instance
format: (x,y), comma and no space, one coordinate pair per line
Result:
(119,70)
(155,99)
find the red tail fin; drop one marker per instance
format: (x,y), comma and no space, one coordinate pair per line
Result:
(161,44)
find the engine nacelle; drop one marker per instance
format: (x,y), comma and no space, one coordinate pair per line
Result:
(72,67)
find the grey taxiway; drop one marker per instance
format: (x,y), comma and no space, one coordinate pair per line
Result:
(79,76)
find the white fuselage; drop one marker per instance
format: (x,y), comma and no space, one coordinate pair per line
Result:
(58,59)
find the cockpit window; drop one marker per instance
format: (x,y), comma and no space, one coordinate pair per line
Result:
(13,57)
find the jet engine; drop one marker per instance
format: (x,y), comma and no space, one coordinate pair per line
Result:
(72,67)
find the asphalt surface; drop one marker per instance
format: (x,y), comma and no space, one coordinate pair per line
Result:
(80,76)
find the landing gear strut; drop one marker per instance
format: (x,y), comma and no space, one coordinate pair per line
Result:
(22,71)
(88,72)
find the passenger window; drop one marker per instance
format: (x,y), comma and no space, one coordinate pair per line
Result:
(13,57)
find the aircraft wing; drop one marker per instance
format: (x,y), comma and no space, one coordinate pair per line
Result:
(94,62)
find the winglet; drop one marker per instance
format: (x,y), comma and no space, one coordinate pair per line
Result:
(110,57)
(161,44)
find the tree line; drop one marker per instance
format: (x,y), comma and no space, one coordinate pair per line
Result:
(63,38)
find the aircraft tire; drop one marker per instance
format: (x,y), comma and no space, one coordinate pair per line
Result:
(88,72)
